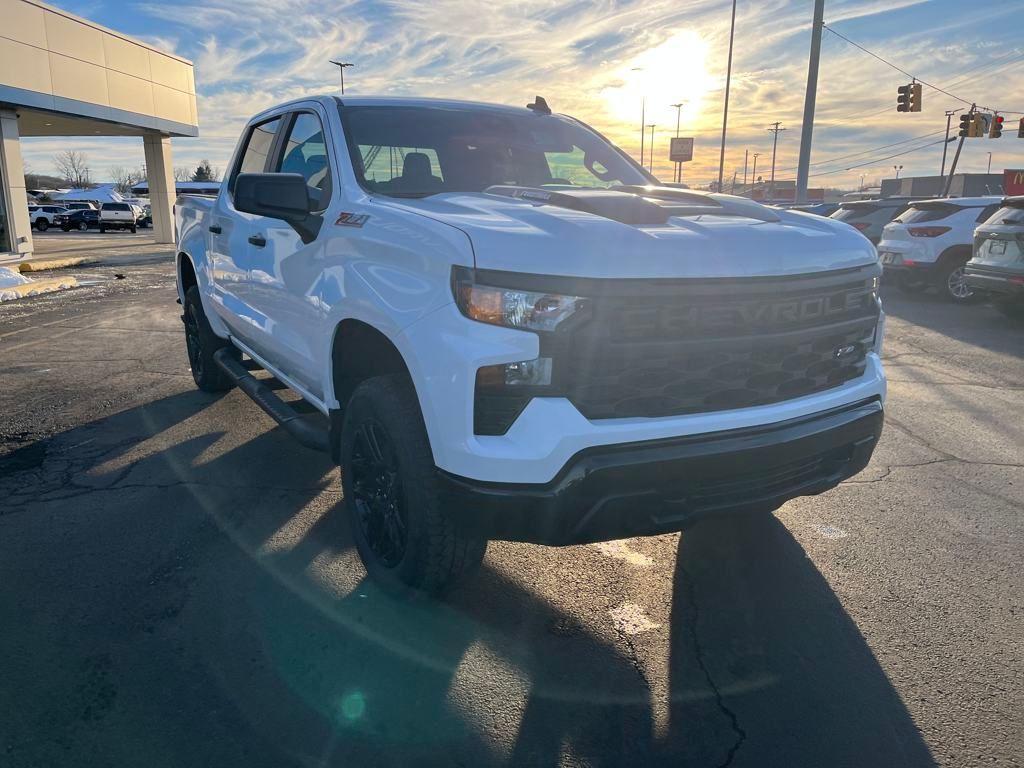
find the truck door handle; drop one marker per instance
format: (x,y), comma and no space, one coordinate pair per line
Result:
(258,240)
(215,228)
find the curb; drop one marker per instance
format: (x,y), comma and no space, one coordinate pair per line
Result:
(36,287)
(38,265)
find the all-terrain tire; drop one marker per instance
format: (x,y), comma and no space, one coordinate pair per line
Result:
(426,551)
(201,343)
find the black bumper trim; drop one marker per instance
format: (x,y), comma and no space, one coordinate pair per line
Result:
(660,486)
(994,281)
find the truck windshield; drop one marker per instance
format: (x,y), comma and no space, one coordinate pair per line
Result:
(409,151)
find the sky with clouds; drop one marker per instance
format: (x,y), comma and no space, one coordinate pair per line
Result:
(598,60)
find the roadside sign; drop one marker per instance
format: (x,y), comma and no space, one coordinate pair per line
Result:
(680,149)
(1013,181)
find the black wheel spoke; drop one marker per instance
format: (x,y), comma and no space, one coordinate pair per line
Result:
(377,493)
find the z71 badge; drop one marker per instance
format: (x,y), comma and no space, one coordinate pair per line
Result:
(351,219)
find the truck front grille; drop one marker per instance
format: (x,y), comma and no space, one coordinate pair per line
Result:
(649,348)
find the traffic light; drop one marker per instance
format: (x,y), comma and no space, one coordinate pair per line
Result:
(1020,129)
(915,97)
(982,124)
(996,130)
(966,125)
(903,98)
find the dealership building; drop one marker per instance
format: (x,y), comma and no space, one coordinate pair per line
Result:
(61,75)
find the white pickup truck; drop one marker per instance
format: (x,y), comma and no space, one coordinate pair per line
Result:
(506,329)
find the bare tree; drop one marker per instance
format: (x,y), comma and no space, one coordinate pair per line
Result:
(126,178)
(73,167)
(181,173)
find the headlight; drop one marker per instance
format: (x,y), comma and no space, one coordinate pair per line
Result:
(512,307)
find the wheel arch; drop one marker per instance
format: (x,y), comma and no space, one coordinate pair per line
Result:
(360,351)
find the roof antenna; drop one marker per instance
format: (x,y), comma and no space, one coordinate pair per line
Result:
(539,106)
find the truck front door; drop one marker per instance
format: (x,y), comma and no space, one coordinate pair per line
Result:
(229,230)
(285,273)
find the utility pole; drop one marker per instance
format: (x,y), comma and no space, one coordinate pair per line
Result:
(725,110)
(945,144)
(679,166)
(775,145)
(989,163)
(341,68)
(746,153)
(807,128)
(650,160)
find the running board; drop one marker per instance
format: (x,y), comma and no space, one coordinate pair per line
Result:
(296,424)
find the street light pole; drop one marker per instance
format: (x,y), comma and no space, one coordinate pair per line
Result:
(897,168)
(807,128)
(341,68)
(643,117)
(989,163)
(746,155)
(945,144)
(753,173)
(725,110)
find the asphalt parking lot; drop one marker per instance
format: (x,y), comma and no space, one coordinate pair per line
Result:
(179,586)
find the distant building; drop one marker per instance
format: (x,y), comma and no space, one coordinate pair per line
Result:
(183,188)
(963,185)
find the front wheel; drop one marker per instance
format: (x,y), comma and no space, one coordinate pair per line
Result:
(103,229)
(404,535)
(201,343)
(83,227)
(42,225)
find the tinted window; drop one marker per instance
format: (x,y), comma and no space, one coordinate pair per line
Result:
(417,151)
(1008,214)
(305,153)
(930,212)
(257,148)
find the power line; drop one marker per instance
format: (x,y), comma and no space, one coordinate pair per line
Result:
(914,77)
(879,159)
(829,160)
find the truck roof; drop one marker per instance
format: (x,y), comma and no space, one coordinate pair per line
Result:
(395,101)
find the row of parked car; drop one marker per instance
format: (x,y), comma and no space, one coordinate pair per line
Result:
(968,248)
(83,216)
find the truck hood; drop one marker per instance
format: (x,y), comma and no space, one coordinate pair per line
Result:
(747,239)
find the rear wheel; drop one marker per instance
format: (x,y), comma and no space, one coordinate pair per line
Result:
(133,229)
(403,533)
(952,280)
(83,226)
(42,225)
(103,229)
(201,343)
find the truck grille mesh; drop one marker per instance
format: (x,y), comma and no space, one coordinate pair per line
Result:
(670,355)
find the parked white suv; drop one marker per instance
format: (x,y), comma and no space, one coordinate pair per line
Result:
(117,216)
(932,241)
(507,329)
(42,216)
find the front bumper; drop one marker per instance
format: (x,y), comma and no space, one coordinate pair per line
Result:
(660,486)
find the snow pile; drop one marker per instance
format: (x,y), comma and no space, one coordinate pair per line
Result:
(14,285)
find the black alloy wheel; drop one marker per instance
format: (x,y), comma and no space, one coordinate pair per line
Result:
(377,494)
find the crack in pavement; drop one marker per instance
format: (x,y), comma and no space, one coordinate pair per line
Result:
(741,734)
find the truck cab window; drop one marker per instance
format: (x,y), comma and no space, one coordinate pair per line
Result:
(305,153)
(254,158)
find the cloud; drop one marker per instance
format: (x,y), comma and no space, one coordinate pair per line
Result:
(580,55)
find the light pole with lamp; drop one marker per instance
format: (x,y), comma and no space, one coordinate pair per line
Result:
(897,168)
(679,166)
(341,68)
(650,160)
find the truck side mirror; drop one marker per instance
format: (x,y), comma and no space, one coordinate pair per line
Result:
(279,196)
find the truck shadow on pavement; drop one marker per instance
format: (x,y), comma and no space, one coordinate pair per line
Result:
(236,627)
